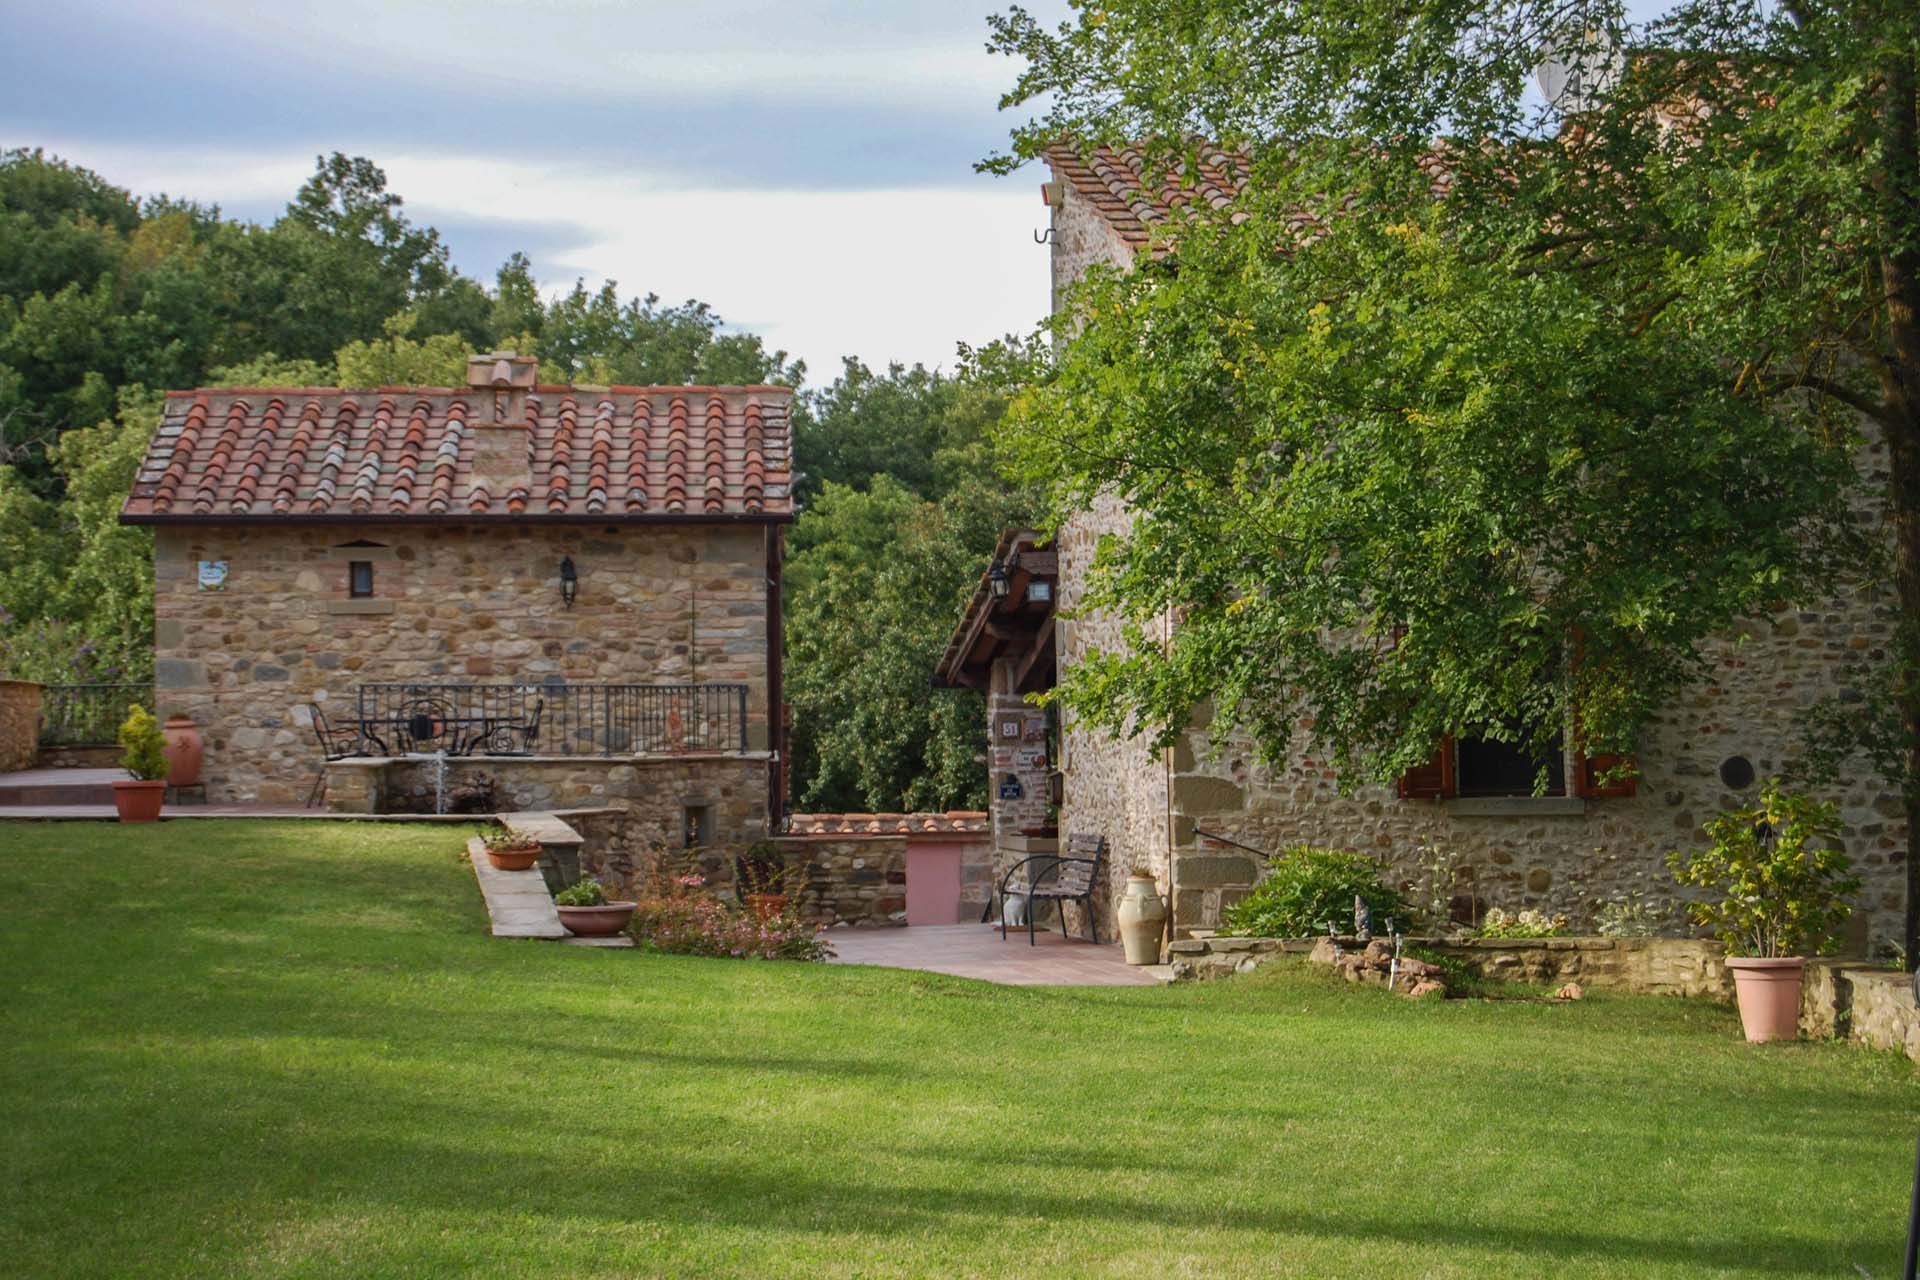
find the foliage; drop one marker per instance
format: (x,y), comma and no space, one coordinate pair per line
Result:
(760,870)
(1611,385)
(503,840)
(1524,923)
(143,746)
(1626,917)
(1306,889)
(1779,877)
(584,892)
(680,916)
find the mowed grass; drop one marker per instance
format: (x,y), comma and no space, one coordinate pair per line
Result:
(291,1049)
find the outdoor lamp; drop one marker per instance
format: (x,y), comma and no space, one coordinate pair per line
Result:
(569,581)
(997,582)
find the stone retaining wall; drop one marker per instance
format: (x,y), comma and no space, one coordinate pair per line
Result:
(79,758)
(1871,1007)
(1638,966)
(19,725)
(858,881)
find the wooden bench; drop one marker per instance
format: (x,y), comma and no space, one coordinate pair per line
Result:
(1057,878)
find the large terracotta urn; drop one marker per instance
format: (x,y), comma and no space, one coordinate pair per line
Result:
(1142,915)
(1768,992)
(184,751)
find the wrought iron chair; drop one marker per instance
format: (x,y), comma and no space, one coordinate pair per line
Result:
(335,744)
(506,737)
(1052,877)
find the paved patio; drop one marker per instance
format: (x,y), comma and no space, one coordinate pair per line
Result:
(976,951)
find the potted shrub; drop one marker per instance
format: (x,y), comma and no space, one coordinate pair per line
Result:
(1781,884)
(510,852)
(586,910)
(144,757)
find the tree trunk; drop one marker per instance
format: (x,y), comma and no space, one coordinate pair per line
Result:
(1899,189)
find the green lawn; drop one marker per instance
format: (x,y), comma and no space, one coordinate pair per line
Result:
(291,1049)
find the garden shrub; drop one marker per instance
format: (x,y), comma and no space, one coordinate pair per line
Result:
(679,915)
(1782,883)
(1525,923)
(143,746)
(1308,887)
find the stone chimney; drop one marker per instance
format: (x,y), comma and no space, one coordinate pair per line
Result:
(502,434)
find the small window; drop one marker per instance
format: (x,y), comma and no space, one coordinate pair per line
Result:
(697,830)
(1485,767)
(359,578)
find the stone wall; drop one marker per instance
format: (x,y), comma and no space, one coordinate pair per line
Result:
(1871,1007)
(79,758)
(1637,966)
(19,725)
(856,881)
(657,604)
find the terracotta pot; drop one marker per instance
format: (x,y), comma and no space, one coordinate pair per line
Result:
(519,859)
(1768,991)
(597,922)
(139,801)
(1142,915)
(184,751)
(766,906)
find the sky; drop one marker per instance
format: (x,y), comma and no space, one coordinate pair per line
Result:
(804,166)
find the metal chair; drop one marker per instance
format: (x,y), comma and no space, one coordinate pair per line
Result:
(335,744)
(1051,877)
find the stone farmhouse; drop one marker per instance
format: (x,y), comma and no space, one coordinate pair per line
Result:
(1588,840)
(580,584)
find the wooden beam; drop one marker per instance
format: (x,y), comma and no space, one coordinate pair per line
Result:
(1042,645)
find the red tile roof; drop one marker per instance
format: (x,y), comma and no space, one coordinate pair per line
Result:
(953,822)
(1115,181)
(269,454)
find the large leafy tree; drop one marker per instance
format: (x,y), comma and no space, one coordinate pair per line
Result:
(1464,373)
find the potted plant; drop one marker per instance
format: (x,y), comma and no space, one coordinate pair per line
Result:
(586,910)
(1782,886)
(1142,916)
(144,757)
(761,878)
(508,851)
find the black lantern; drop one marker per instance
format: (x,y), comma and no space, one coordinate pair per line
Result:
(569,581)
(997,582)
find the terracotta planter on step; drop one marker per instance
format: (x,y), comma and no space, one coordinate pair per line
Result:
(1142,915)
(184,751)
(518,859)
(597,922)
(139,801)
(1768,991)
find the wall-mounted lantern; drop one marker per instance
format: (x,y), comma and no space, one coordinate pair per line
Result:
(997,585)
(569,581)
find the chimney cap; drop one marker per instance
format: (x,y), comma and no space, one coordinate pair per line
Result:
(502,369)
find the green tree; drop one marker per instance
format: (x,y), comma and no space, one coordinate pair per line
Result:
(1606,377)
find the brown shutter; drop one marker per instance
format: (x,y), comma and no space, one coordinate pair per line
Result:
(1433,780)
(1588,770)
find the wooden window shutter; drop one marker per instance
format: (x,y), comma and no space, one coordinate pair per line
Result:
(1589,776)
(1433,780)
(1588,771)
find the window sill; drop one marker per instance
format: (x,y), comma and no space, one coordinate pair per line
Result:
(1517,807)
(359,606)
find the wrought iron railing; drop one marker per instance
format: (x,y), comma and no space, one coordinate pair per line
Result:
(552,719)
(87,715)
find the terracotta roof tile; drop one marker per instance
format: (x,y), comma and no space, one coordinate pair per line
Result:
(621,453)
(953,822)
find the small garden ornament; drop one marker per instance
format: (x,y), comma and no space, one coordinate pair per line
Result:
(1783,888)
(138,799)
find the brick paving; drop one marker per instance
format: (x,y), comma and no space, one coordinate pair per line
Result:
(976,951)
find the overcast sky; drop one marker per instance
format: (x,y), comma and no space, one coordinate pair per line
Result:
(804,166)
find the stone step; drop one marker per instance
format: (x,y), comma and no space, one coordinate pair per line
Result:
(58,787)
(518,904)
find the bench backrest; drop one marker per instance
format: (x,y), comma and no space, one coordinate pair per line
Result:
(1078,877)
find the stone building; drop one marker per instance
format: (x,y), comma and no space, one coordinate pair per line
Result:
(1467,828)
(558,574)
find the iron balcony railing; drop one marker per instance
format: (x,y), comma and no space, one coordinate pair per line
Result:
(552,719)
(88,715)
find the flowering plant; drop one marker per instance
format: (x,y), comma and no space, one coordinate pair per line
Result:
(678,914)
(1525,923)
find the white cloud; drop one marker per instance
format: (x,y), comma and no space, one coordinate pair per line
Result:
(880,274)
